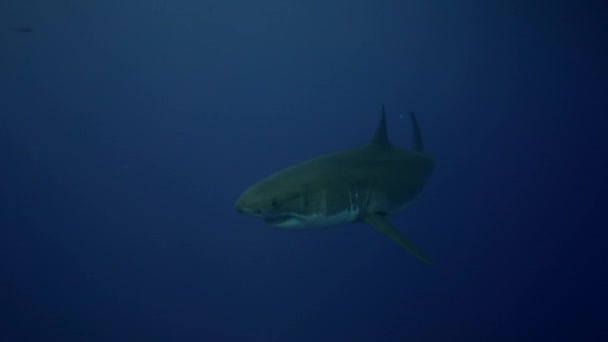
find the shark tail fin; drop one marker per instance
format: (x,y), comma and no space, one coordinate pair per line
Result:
(381,224)
(381,136)
(418,144)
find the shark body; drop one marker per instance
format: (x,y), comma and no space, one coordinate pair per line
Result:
(364,184)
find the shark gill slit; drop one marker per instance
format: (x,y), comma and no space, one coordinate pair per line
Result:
(357,200)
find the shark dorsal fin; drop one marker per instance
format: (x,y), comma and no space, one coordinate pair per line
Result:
(418,144)
(381,136)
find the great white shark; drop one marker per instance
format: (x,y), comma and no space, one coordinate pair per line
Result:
(364,184)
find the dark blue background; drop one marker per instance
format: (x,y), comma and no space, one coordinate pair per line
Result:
(129,128)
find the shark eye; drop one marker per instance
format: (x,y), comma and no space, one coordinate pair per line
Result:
(275,204)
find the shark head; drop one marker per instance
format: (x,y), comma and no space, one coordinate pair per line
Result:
(276,201)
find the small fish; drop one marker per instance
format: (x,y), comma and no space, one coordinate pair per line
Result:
(22,29)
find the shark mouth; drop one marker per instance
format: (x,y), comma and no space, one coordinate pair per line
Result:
(277,219)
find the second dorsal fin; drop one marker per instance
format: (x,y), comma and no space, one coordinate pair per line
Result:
(381,135)
(418,144)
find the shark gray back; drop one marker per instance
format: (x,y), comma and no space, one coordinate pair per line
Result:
(364,184)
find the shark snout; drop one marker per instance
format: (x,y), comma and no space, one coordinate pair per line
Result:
(242,207)
(247,211)
(238,206)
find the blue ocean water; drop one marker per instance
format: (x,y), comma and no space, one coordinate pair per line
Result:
(129,128)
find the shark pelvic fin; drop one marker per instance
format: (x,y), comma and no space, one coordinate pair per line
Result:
(418,144)
(381,224)
(381,136)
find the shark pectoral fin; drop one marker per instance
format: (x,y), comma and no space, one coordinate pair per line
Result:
(381,224)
